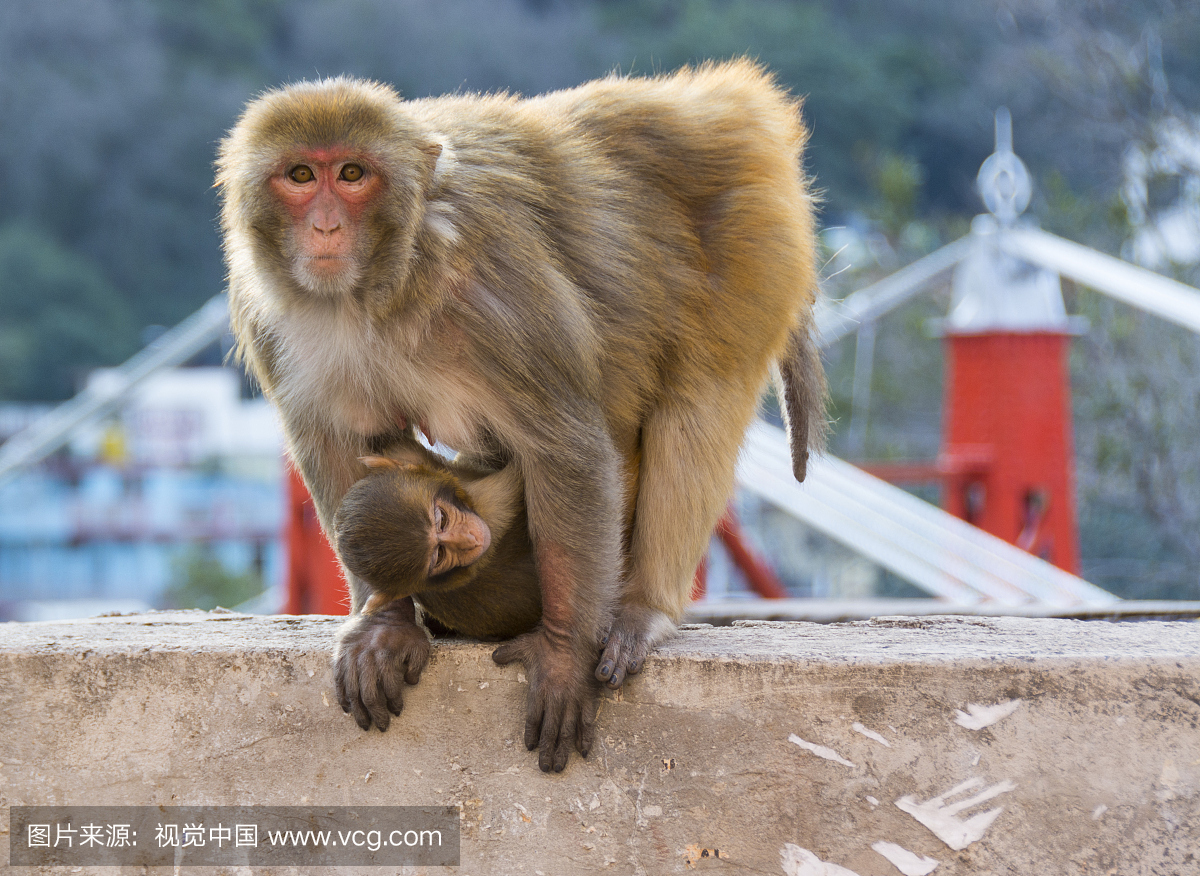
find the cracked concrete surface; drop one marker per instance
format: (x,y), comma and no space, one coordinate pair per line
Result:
(1094,770)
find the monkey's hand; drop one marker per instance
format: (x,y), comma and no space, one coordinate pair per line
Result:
(634,634)
(375,655)
(561,708)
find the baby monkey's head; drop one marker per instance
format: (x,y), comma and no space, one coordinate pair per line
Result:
(407,529)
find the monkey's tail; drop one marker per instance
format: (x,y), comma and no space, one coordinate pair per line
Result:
(804,394)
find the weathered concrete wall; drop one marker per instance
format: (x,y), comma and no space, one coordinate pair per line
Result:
(780,745)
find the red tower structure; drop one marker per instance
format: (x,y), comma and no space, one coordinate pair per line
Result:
(1006,462)
(1007,443)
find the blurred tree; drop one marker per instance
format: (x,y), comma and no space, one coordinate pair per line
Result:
(110,145)
(1136,392)
(429,47)
(200,580)
(1137,404)
(221,36)
(898,181)
(61,317)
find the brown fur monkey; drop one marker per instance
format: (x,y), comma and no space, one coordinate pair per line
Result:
(452,535)
(565,280)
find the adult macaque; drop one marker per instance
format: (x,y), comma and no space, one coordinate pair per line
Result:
(571,281)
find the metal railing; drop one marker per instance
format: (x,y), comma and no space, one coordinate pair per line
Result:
(921,543)
(173,347)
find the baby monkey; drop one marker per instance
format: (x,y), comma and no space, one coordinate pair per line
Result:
(452,536)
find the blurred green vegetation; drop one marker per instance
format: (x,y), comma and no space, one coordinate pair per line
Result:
(113,109)
(61,314)
(201,580)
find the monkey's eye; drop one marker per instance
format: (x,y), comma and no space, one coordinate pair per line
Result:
(301,174)
(438,554)
(439,519)
(352,173)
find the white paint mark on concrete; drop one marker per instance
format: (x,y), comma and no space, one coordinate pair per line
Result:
(870,734)
(906,862)
(1169,780)
(940,816)
(872,801)
(820,750)
(802,862)
(984,716)
(1098,812)
(1170,773)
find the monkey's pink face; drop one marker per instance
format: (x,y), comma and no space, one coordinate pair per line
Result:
(326,194)
(458,538)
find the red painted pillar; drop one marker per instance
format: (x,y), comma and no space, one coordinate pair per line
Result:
(1007,439)
(760,577)
(1007,448)
(314,578)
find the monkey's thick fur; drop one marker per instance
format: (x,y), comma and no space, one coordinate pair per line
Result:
(382,534)
(592,283)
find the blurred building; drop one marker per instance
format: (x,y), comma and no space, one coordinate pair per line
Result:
(188,468)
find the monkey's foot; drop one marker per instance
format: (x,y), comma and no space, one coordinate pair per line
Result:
(561,708)
(634,634)
(375,656)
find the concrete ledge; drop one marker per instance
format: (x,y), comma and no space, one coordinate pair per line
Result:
(723,612)
(1072,747)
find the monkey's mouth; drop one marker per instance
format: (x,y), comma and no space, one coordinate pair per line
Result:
(326,260)
(483,540)
(327,267)
(327,274)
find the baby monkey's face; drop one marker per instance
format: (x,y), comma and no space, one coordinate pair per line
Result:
(406,529)
(457,536)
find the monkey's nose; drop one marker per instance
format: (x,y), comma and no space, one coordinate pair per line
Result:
(463,540)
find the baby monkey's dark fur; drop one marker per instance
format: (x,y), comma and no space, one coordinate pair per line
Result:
(382,531)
